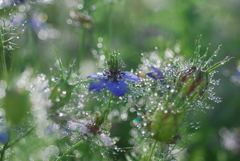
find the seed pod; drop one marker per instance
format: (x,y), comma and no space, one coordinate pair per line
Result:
(165,126)
(194,81)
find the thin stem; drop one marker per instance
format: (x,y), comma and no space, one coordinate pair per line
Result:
(33,57)
(6,146)
(197,49)
(82,46)
(69,150)
(210,59)
(109,101)
(82,38)
(3,56)
(152,150)
(3,151)
(60,63)
(110,23)
(218,64)
(106,112)
(17,140)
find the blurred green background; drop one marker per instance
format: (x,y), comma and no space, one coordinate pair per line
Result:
(133,27)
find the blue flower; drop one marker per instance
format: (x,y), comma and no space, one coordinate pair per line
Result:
(156,74)
(19,1)
(114,81)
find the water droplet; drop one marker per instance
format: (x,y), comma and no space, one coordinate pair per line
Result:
(57,99)
(172,90)
(143,132)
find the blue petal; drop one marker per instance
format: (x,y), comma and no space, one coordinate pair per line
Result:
(130,77)
(98,84)
(155,74)
(4,137)
(117,88)
(152,75)
(156,70)
(97,75)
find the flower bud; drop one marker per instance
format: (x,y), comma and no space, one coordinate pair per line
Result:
(165,126)
(194,80)
(114,64)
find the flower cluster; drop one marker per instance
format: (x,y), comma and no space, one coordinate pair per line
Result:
(183,89)
(171,91)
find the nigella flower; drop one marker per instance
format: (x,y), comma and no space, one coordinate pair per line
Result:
(113,79)
(156,74)
(89,129)
(115,82)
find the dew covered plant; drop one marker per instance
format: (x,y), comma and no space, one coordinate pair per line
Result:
(63,115)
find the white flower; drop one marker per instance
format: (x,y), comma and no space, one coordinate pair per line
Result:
(88,129)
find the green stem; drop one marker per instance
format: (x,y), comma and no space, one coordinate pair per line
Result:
(210,59)
(82,38)
(197,49)
(106,112)
(17,140)
(6,146)
(3,56)
(69,150)
(3,151)
(152,150)
(218,64)
(82,46)
(110,23)
(60,63)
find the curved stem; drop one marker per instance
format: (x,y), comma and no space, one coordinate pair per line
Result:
(152,150)
(3,151)
(6,146)
(17,140)
(69,150)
